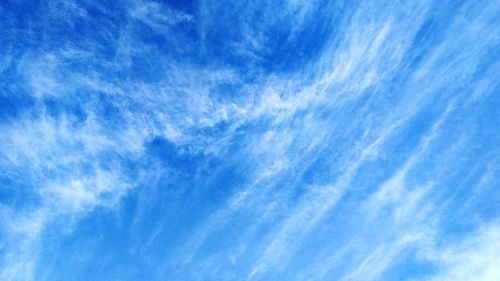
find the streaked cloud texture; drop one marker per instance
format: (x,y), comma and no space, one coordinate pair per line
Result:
(249,140)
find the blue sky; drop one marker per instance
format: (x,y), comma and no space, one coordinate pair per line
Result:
(249,140)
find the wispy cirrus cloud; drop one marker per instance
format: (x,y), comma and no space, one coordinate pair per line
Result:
(260,141)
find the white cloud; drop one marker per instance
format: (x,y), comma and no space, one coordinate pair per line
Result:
(475,257)
(157,16)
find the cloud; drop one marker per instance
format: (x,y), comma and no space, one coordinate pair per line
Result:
(303,140)
(474,257)
(158,16)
